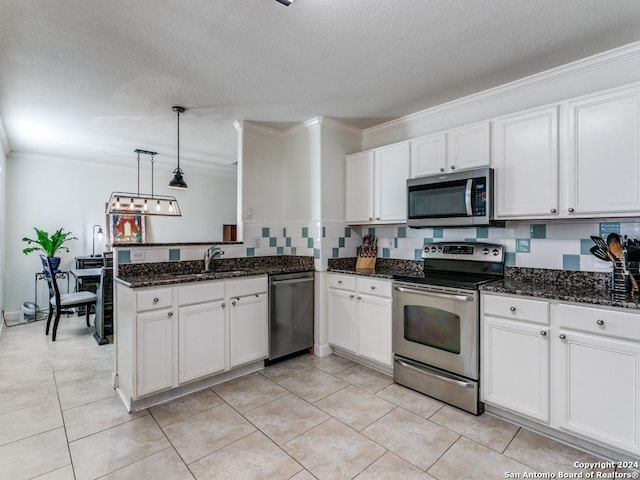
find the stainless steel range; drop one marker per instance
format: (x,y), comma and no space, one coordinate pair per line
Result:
(436,321)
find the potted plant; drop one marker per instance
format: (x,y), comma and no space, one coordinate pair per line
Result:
(49,244)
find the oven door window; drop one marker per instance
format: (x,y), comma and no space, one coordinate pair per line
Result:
(432,327)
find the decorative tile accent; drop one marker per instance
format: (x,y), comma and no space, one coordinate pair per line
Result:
(510,259)
(287,241)
(309,242)
(438,233)
(305,232)
(347,232)
(609,227)
(386,253)
(538,231)
(335,253)
(265,232)
(124,256)
(417,254)
(250,252)
(273,241)
(523,245)
(402,232)
(316,253)
(372,231)
(174,254)
(571,262)
(324,232)
(585,245)
(482,232)
(280,251)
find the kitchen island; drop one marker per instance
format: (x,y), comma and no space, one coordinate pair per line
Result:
(180,328)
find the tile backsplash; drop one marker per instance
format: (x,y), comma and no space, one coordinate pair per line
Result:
(562,245)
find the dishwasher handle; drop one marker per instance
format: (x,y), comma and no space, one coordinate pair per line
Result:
(292,280)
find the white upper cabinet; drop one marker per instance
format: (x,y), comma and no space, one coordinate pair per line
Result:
(429,155)
(604,175)
(526,164)
(469,146)
(376,183)
(460,148)
(391,173)
(359,187)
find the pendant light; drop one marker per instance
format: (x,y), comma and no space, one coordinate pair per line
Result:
(125,203)
(177,181)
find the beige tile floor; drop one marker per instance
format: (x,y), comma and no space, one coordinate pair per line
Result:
(306,418)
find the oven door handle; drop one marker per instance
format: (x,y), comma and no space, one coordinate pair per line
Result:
(448,296)
(442,376)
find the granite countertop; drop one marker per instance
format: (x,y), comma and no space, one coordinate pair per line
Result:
(569,286)
(173,273)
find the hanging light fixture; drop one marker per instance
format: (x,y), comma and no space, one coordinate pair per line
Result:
(177,181)
(125,203)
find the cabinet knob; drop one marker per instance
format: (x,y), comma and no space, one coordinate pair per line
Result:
(370,218)
(562,336)
(377,218)
(156,300)
(359,298)
(223,305)
(600,322)
(442,169)
(373,287)
(571,210)
(234,303)
(543,333)
(453,167)
(339,282)
(170,314)
(351,296)
(553,210)
(513,309)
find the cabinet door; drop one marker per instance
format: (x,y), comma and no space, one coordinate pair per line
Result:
(469,146)
(526,163)
(359,187)
(428,155)
(603,151)
(248,329)
(342,319)
(391,173)
(201,340)
(598,388)
(515,366)
(154,351)
(374,328)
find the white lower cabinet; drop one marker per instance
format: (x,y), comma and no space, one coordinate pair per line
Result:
(594,356)
(248,329)
(201,340)
(359,312)
(170,336)
(154,347)
(515,359)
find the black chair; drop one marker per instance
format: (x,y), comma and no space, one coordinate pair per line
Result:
(58,302)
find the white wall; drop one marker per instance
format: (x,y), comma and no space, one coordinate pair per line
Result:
(49,193)
(297,174)
(4,151)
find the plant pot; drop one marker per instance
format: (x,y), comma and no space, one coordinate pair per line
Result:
(55,263)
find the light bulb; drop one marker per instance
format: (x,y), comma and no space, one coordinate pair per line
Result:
(117,202)
(171,207)
(131,206)
(146,207)
(158,206)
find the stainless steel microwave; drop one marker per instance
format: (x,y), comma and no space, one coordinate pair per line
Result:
(462,198)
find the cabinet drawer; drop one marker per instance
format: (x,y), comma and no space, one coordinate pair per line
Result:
(200,292)
(373,286)
(598,320)
(346,282)
(535,311)
(153,299)
(247,286)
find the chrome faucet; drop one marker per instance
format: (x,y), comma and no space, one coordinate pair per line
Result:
(211,253)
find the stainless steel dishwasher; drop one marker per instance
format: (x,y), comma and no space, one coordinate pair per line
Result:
(290,314)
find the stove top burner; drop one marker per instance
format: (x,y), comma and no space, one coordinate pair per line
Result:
(459,265)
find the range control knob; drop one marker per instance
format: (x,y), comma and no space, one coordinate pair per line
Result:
(433,249)
(495,252)
(485,251)
(439,249)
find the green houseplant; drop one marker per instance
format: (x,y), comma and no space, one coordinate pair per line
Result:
(49,244)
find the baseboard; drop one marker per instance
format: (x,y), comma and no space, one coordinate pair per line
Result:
(322,350)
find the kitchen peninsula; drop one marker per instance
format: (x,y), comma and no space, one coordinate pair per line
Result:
(180,328)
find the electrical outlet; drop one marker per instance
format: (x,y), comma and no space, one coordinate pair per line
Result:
(137,255)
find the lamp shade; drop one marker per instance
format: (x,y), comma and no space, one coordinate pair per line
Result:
(177,181)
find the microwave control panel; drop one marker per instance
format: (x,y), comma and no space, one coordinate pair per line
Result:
(479,197)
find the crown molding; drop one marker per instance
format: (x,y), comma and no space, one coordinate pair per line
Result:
(575,68)
(258,128)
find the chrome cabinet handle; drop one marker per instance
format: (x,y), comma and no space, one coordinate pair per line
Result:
(340,282)
(453,167)
(543,333)
(553,210)
(571,210)
(234,303)
(562,336)
(351,296)
(359,298)
(513,309)
(156,300)
(370,218)
(600,322)
(442,169)
(373,287)
(223,305)
(170,314)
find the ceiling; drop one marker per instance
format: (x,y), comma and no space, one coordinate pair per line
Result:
(94,80)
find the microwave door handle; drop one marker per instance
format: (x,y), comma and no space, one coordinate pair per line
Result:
(467,197)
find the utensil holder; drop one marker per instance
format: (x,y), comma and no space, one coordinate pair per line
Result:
(620,284)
